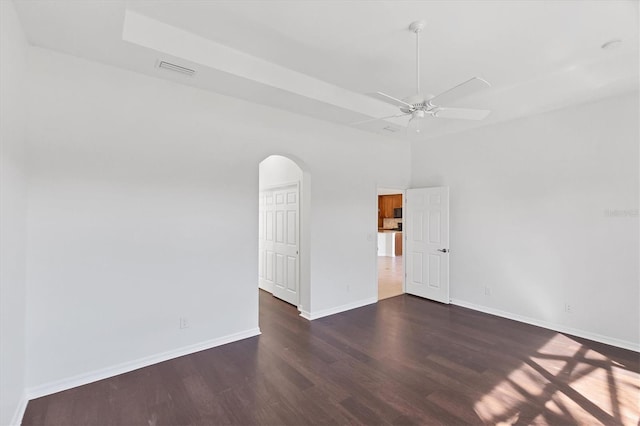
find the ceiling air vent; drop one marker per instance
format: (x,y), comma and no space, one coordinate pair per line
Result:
(391,129)
(176,68)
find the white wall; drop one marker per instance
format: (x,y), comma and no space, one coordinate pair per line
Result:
(13,51)
(143,208)
(529,202)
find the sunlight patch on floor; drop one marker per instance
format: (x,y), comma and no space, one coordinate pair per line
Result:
(558,383)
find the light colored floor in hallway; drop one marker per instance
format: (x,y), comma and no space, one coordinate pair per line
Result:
(389,276)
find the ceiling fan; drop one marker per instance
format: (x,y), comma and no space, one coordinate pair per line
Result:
(420,106)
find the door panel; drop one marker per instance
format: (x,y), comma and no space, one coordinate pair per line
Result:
(269,256)
(427,245)
(268,223)
(292,271)
(292,222)
(417,230)
(416,268)
(434,271)
(279,281)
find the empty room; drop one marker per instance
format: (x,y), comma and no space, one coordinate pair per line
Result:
(312,212)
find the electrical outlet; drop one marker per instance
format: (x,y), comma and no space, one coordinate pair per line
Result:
(184,322)
(568,308)
(487,291)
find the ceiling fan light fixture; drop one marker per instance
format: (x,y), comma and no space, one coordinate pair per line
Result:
(417,122)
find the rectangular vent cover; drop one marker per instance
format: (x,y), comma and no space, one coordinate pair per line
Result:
(176,68)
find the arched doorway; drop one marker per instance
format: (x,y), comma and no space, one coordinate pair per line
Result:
(283,224)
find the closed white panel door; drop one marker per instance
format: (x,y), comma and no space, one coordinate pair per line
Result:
(278,265)
(286,244)
(426,227)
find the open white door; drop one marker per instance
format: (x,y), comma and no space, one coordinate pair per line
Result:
(426,226)
(279,242)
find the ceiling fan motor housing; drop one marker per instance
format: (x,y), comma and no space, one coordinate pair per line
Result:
(418,103)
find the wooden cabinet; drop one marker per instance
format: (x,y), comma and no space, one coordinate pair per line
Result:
(386,205)
(398,244)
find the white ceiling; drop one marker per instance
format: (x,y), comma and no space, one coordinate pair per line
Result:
(324,58)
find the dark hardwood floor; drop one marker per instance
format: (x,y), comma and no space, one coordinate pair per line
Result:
(404,360)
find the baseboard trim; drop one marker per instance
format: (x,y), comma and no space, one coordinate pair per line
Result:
(18,415)
(336,310)
(125,367)
(305,314)
(548,325)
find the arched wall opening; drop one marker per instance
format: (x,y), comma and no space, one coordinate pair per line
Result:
(283,230)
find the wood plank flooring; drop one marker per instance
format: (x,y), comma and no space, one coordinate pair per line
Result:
(404,361)
(390,272)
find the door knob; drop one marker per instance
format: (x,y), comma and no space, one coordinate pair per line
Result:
(444,250)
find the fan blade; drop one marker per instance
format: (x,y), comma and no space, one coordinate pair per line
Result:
(460,91)
(461,113)
(379,118)
(396,100)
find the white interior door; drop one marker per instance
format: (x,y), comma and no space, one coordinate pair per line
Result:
(426,226)
(279,242)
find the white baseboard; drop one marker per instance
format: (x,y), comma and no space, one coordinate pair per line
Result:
(20,409)
(342,308)
(551,326)
(125,367)
(305,314)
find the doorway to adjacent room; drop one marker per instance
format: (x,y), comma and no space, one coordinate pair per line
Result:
(390,243)
(279,228)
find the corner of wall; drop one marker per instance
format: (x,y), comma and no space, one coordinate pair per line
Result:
(18,415)
(13,64)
